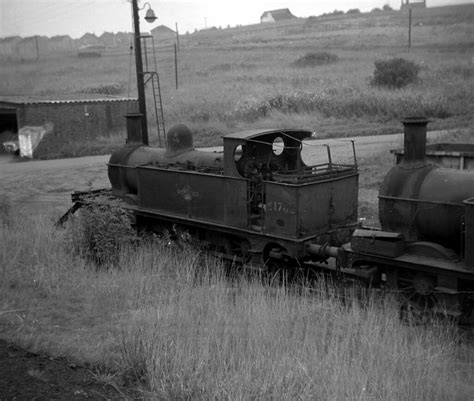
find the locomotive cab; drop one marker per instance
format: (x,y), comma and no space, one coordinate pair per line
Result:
(285,196)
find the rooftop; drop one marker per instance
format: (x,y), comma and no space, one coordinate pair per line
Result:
(61,98)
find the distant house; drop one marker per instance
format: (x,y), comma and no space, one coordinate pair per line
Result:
(407,4)
(163,34)
(108,39)
(61,43)
(89,39)
(276,15)
(123,38)
(32,48)
(8,46)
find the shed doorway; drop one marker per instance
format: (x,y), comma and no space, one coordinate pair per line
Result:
(8,129)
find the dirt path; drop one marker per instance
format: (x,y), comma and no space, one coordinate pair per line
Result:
(26,375)
(49,183)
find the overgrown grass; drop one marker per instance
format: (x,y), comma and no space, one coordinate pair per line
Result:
(315,59)
(103,89)
(166,319)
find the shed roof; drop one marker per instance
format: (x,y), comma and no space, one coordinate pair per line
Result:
(61,99)
(59,38)
(253,134)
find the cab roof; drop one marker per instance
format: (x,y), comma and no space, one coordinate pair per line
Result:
(298,134)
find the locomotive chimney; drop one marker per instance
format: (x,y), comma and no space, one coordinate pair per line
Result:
(469,233)
(134,128)
(414,139)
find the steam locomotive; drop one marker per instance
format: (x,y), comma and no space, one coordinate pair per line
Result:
(257,201)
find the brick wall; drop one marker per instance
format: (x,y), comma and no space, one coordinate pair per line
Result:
(76,122)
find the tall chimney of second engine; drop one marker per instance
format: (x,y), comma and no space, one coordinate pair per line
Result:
(134,128)
(414,139)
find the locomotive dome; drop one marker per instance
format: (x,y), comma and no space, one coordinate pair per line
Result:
(179,139)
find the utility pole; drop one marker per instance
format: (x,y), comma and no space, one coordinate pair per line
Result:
(176,65)
(177,35)
(409,28)
(37,48)
(139,68)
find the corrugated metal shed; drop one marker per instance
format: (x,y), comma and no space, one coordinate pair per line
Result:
(74,117)
(15,100)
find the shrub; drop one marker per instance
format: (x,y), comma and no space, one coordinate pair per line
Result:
(103,89)
(103,228)
(395,73)
(315,59)
(6,213)
(387,7)
(353,11)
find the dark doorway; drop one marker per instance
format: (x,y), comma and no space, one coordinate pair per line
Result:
(8,127)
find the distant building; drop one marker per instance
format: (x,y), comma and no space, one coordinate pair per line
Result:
(8,47)
(32,48)
(123,38)
(77,117)
(163,34)
(61,43)
(89,39)
(108,39)
(276,15)
(407,4)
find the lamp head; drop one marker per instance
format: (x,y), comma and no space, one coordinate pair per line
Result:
(150,16)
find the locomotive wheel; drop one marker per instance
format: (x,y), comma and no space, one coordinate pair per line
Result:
(418,301)
(238,247)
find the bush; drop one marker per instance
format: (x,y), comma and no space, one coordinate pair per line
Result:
(387,7)
(353,11)
(315,59)
(103,228)
(103,89)
(395,73)
(6,213)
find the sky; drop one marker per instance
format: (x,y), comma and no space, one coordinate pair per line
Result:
(76,17)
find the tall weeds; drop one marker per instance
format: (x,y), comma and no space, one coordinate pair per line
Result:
(166,318)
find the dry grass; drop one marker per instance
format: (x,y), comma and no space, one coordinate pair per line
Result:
(167,320)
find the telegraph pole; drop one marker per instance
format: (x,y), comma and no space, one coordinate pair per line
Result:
(409,28)
(139,68)
(177,36)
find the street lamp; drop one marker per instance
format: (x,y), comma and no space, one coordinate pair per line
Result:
(149,17)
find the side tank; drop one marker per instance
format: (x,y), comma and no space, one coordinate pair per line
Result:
(423,201)
(179,151)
